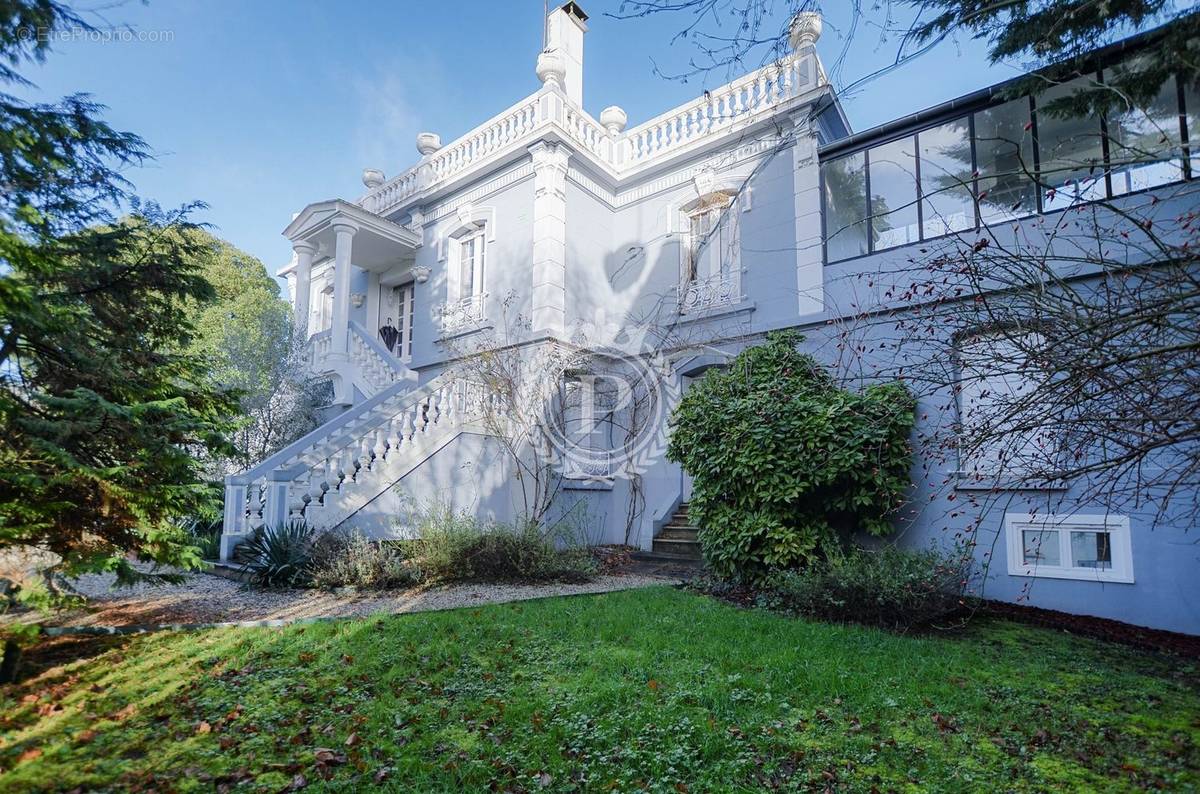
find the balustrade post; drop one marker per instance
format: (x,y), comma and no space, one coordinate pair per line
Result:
(275,507)
(233,525)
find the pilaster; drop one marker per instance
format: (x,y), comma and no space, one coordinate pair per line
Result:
(810,264)
(549,237)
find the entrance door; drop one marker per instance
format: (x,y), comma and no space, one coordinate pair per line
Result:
(397,308)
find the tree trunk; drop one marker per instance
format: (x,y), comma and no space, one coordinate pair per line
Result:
(11,662)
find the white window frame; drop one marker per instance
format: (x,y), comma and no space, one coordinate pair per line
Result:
(724,242)
(1120,546)
(477,242)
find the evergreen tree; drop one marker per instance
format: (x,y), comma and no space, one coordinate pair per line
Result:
(107,411)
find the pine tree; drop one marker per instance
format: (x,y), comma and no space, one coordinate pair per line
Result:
(106,411)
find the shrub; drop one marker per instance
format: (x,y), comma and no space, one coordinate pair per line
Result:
(205,535)
(279,556)
(351,559)
(786,465)
(888,588)
(454,546)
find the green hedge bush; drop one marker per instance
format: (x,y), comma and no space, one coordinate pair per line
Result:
(785,464)
(888,588)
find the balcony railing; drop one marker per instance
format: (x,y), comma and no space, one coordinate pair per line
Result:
(722,289)
(724,110)
(462,314)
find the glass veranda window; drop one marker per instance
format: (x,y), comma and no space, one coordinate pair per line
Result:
(1070,149)
(845,181)
(1144,145)
(1004,160)
(893,172)
(947,194)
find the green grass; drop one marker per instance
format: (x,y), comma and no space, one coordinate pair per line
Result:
(656,690)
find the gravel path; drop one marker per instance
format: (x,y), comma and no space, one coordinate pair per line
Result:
(204,598)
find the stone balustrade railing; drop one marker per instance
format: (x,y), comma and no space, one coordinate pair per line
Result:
(721,111)
(377,367)
(318,470)
(319,348)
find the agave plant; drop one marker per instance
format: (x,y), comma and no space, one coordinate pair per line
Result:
(279,557)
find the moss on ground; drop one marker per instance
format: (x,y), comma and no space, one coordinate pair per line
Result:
(656,689)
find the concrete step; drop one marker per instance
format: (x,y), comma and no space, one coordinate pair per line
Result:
(677,548)
(229,570)
(679,533)
(671,559)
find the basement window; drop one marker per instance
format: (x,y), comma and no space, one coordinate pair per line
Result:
(1087,547)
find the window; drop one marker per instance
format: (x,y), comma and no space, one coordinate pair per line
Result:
(893,179)
(589,403)
(947,198)
(710,272)
(471,253)
(1070,150)
(845,182)
(1090,547)
(1004,153)
(1144,145)
(1002,435)
(711,239)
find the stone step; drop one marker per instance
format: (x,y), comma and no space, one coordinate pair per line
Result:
(677,547)
(229,570)
(679,533)
(681,525)
(669,559)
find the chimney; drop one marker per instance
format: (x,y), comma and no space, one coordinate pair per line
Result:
(564,34)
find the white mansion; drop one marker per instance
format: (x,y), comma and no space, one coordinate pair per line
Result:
(543,224)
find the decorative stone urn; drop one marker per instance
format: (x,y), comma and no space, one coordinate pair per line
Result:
(613,119)
(428,143)
(372,178)
(420,274)
(551,69)
(804,30)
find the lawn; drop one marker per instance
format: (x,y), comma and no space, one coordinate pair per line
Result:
(656,689)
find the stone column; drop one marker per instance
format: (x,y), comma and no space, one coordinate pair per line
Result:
(300,306)
(810,266)
(549,237)
(339,333)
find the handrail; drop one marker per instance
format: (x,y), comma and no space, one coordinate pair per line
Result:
(332,427)
(379,348)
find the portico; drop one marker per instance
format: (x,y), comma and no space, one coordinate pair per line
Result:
(341,238)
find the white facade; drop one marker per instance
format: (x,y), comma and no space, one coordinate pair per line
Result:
(544,219)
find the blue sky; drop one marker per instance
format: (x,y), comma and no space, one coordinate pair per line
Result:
(258,108)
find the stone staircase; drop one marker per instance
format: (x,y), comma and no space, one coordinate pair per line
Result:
(677,544)
(330,474)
